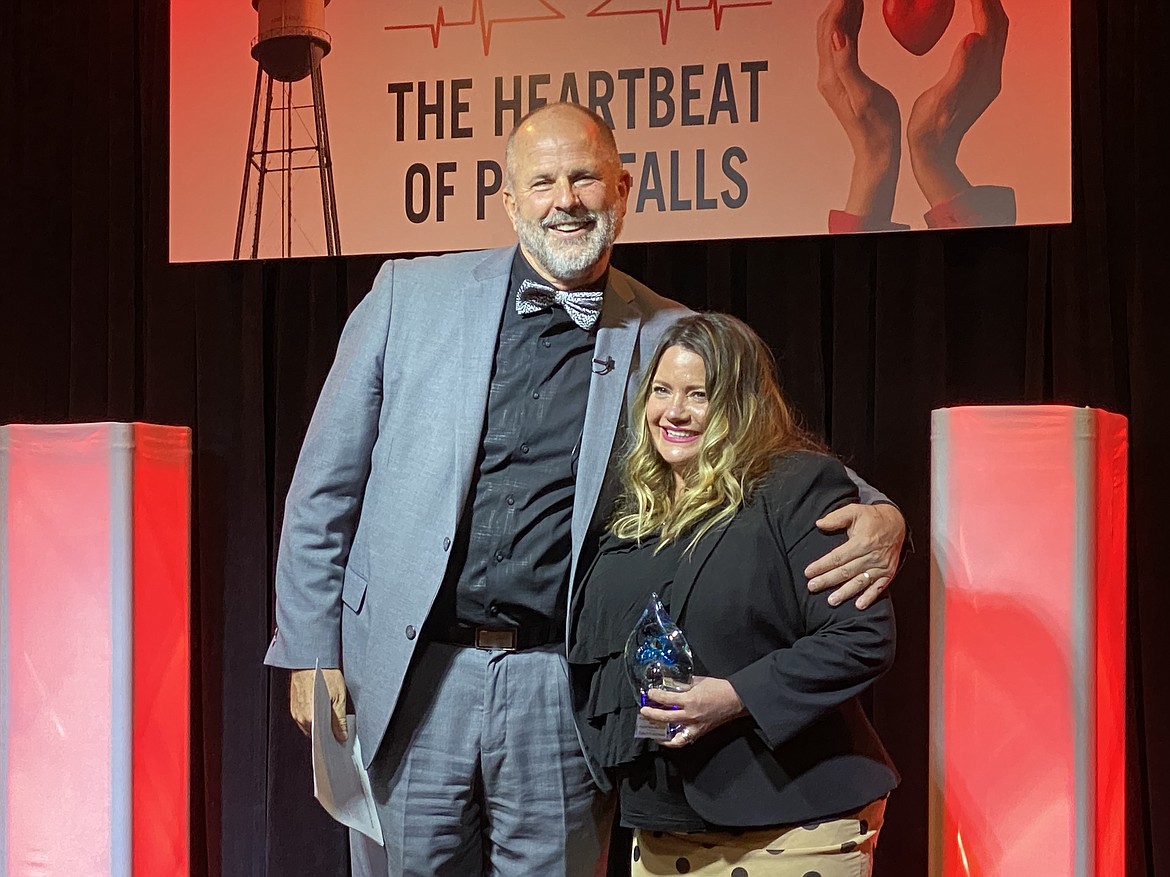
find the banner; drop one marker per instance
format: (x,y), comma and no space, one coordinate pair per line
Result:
(304,127)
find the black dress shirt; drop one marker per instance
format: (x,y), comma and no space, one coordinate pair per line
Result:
(511,558)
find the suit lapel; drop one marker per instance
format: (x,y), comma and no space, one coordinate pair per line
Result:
(613,352)
(689,569)
(482,307)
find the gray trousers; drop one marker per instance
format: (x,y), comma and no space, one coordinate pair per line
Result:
(481,773)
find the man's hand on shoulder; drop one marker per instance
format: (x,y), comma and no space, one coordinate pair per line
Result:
(300,699)
(865,565)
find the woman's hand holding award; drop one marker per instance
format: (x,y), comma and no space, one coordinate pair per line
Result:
(657,656)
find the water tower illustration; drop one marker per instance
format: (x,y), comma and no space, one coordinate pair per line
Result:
(288,49)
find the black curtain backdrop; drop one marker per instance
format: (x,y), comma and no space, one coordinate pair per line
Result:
(871,334)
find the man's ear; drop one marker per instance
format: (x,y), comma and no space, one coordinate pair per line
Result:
(625,183)
(510,205)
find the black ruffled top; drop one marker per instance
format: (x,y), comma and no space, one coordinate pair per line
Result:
(615,594)
(624,576)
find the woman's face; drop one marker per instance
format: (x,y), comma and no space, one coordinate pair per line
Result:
(676,410)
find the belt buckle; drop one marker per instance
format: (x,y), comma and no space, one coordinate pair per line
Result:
(495,638)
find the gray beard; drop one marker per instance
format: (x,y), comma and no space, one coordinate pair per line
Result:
(569,262)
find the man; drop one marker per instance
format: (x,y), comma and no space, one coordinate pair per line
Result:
(451,486)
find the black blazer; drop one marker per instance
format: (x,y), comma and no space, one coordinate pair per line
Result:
(807,750)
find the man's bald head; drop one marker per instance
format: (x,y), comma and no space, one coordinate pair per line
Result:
(532,124)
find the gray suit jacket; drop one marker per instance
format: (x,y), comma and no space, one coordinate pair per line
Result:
(389,456)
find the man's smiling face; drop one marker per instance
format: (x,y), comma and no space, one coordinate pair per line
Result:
(566,196)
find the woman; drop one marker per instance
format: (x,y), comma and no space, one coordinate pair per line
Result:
(776,769)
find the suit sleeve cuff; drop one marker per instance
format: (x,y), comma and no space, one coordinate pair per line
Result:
(281,653)
(751,684)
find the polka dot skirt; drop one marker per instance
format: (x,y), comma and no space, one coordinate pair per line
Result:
(837,848)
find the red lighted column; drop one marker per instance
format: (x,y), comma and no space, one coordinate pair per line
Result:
(94,649)
(1027,743)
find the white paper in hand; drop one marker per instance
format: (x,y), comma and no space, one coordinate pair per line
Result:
(340,782)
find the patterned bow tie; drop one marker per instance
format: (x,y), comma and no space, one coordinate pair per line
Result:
(582,305)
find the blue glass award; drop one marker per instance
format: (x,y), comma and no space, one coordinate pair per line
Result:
(657,656)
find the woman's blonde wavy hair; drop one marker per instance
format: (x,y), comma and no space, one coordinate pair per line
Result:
(748,425)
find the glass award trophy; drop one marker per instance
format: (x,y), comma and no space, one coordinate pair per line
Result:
(657,656)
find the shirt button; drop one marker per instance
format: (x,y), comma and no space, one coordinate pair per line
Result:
(535,395)
(410,631)
(510,500)
(546,342)
(493,610)
(524,449)
(499,556)
(446,543)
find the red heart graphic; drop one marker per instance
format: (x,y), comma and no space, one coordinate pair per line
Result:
(918,24)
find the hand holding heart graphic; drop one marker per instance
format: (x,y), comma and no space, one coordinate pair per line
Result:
(867,111)
(940,118)
(945,112)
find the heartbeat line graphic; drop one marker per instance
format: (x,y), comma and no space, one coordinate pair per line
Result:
(479,17)
(665,8)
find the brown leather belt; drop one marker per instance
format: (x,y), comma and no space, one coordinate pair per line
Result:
(506,639)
